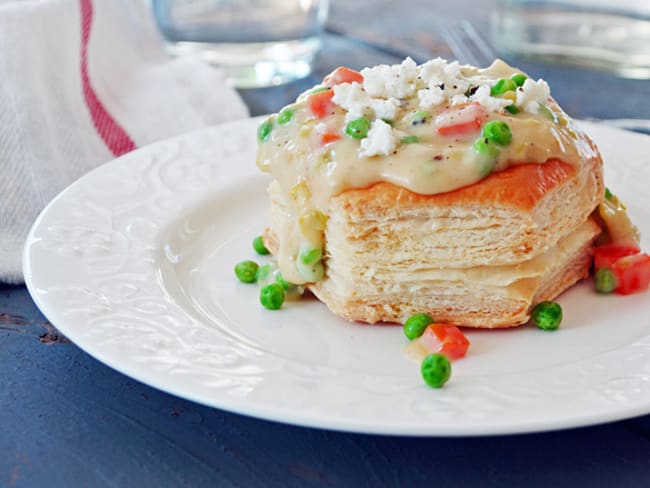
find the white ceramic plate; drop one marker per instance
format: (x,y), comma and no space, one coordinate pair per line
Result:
(134,263)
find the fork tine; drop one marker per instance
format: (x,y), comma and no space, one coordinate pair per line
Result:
(480,43)
(467,44)
(457,45)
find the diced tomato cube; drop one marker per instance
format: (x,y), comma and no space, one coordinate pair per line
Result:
(328,137)
(462,120)
(320,103)
(632,273)
(342,75)
(444,338)
(605,256)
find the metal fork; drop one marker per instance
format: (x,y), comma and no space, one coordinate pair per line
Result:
(464,41)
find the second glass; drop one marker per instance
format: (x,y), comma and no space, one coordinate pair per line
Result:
(613,36)
(257,42)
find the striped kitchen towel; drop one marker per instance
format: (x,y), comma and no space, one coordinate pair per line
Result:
(81,82)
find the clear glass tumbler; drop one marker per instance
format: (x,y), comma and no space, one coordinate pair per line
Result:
(612,35)
(257,42)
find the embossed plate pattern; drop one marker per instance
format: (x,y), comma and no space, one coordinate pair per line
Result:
(134,262)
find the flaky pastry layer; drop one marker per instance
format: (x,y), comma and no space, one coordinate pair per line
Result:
(479,256)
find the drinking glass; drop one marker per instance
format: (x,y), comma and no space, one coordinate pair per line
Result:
(257,42)
(606,34)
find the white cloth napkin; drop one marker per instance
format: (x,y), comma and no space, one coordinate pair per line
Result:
(81,82)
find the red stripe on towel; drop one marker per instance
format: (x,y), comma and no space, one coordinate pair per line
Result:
(112,133)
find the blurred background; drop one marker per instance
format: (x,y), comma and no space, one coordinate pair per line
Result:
(592,52)
(462,30)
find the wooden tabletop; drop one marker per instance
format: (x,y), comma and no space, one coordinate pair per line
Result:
(66,420)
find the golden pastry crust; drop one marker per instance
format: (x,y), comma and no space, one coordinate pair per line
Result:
(521,186)
(480,305)
(480,256)
(511,216)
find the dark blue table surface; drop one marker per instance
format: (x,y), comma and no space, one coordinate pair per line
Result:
(67,420)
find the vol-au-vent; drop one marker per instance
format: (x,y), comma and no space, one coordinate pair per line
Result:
(461,192)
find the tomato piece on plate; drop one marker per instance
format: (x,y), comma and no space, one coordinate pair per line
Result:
(462,120)
(632,273)
(605,256)
(444,338)
(343,75)
(320,103)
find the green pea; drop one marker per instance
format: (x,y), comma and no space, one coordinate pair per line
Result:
(498,132)
(419,117)
(411,139)
(272,296)
(263,272)
(310,272)
(604,280)
(519,78)
(264,131)
(513,109)
(285,116)
(258,245)
(436,370)
(246,271)
(547,315)
(488,155)
(358,128)
(485,148)
(415,325)
(502,86)
(310,255)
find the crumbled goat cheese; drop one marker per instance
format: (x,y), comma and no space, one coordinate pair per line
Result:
(434,83)
(458,100)
(482,96)
(444,81)
(532,94)
(430,97)
(384,109)
(381,140)
(439,73)
(357,102)
(396,81)
(433,68)
(352,98)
